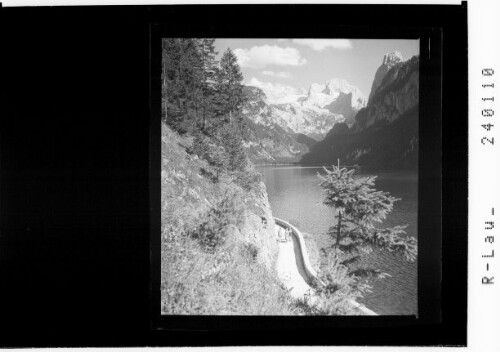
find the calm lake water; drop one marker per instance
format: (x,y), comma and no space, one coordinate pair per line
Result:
(295,195)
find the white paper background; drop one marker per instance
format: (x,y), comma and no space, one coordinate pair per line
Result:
(484,308)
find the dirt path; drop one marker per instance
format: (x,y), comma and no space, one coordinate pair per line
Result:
(291,269)
(293,275)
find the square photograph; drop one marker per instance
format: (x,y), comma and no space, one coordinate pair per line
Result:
(289,176)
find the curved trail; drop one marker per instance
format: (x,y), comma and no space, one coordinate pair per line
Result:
(294,269)
(291,269)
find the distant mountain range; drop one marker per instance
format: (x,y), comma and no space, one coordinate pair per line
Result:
(286,122)
(385,132)
(334,120)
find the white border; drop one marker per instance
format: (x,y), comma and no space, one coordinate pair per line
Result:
(484,175)
(8,3)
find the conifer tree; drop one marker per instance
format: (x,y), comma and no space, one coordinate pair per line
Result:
(182,78)
(196,90)
(207,53)
(230,139)
(358,206)
(229,87)
(170,81)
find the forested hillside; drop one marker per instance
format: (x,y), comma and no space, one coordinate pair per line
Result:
(218,244)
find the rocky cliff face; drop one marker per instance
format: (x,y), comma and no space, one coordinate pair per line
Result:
(343,106)
(396,93)
(272,143)
(389,61)
(290,112)
(188,195)
(277,116)
(385,132)
(328,93)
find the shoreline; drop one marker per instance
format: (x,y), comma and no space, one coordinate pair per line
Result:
(309,270)
(358,167)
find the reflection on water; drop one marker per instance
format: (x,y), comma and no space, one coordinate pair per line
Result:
(295,195)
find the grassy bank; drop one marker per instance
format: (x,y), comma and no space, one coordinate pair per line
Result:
(217,256)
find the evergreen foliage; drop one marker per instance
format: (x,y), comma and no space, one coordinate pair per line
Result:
(358,206)
(229,87)
(182,79)
(213,153)
(208,267)
(203,97)
(230,138)
(339,288)
(209,70)
(212,230)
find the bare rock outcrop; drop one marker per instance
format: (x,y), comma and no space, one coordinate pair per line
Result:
(389,61)
(396,94)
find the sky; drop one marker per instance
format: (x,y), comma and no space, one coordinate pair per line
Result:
(300,62)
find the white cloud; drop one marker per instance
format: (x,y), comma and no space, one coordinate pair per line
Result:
(281,74)
(268,85)
(322,44)
(261,56)
(275,92)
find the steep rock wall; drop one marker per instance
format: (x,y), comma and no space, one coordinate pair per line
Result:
(397,94)
(389,61)
(385,132)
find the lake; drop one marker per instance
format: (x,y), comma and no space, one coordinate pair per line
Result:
(295,195)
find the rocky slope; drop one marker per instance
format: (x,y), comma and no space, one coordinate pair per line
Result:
(188,195)
(238,276)
(269,144)
(284,121)
(385,132)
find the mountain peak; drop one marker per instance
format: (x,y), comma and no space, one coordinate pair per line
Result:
(338,85)
(337,82)
(390,59)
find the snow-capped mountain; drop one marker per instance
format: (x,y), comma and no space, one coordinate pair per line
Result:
(385,132)
(312,112)
(278,114)
(324,95)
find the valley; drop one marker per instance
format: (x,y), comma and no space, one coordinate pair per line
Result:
(334,120)
(284,124)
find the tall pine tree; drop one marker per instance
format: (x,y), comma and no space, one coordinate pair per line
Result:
(182,79)
(208,62)
(229,86)
(199,94)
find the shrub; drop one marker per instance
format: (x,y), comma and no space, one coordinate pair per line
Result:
(223,281)
(199,145)
(213,228)
(207,149)
(230,138)
(340,287)
(252,250)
